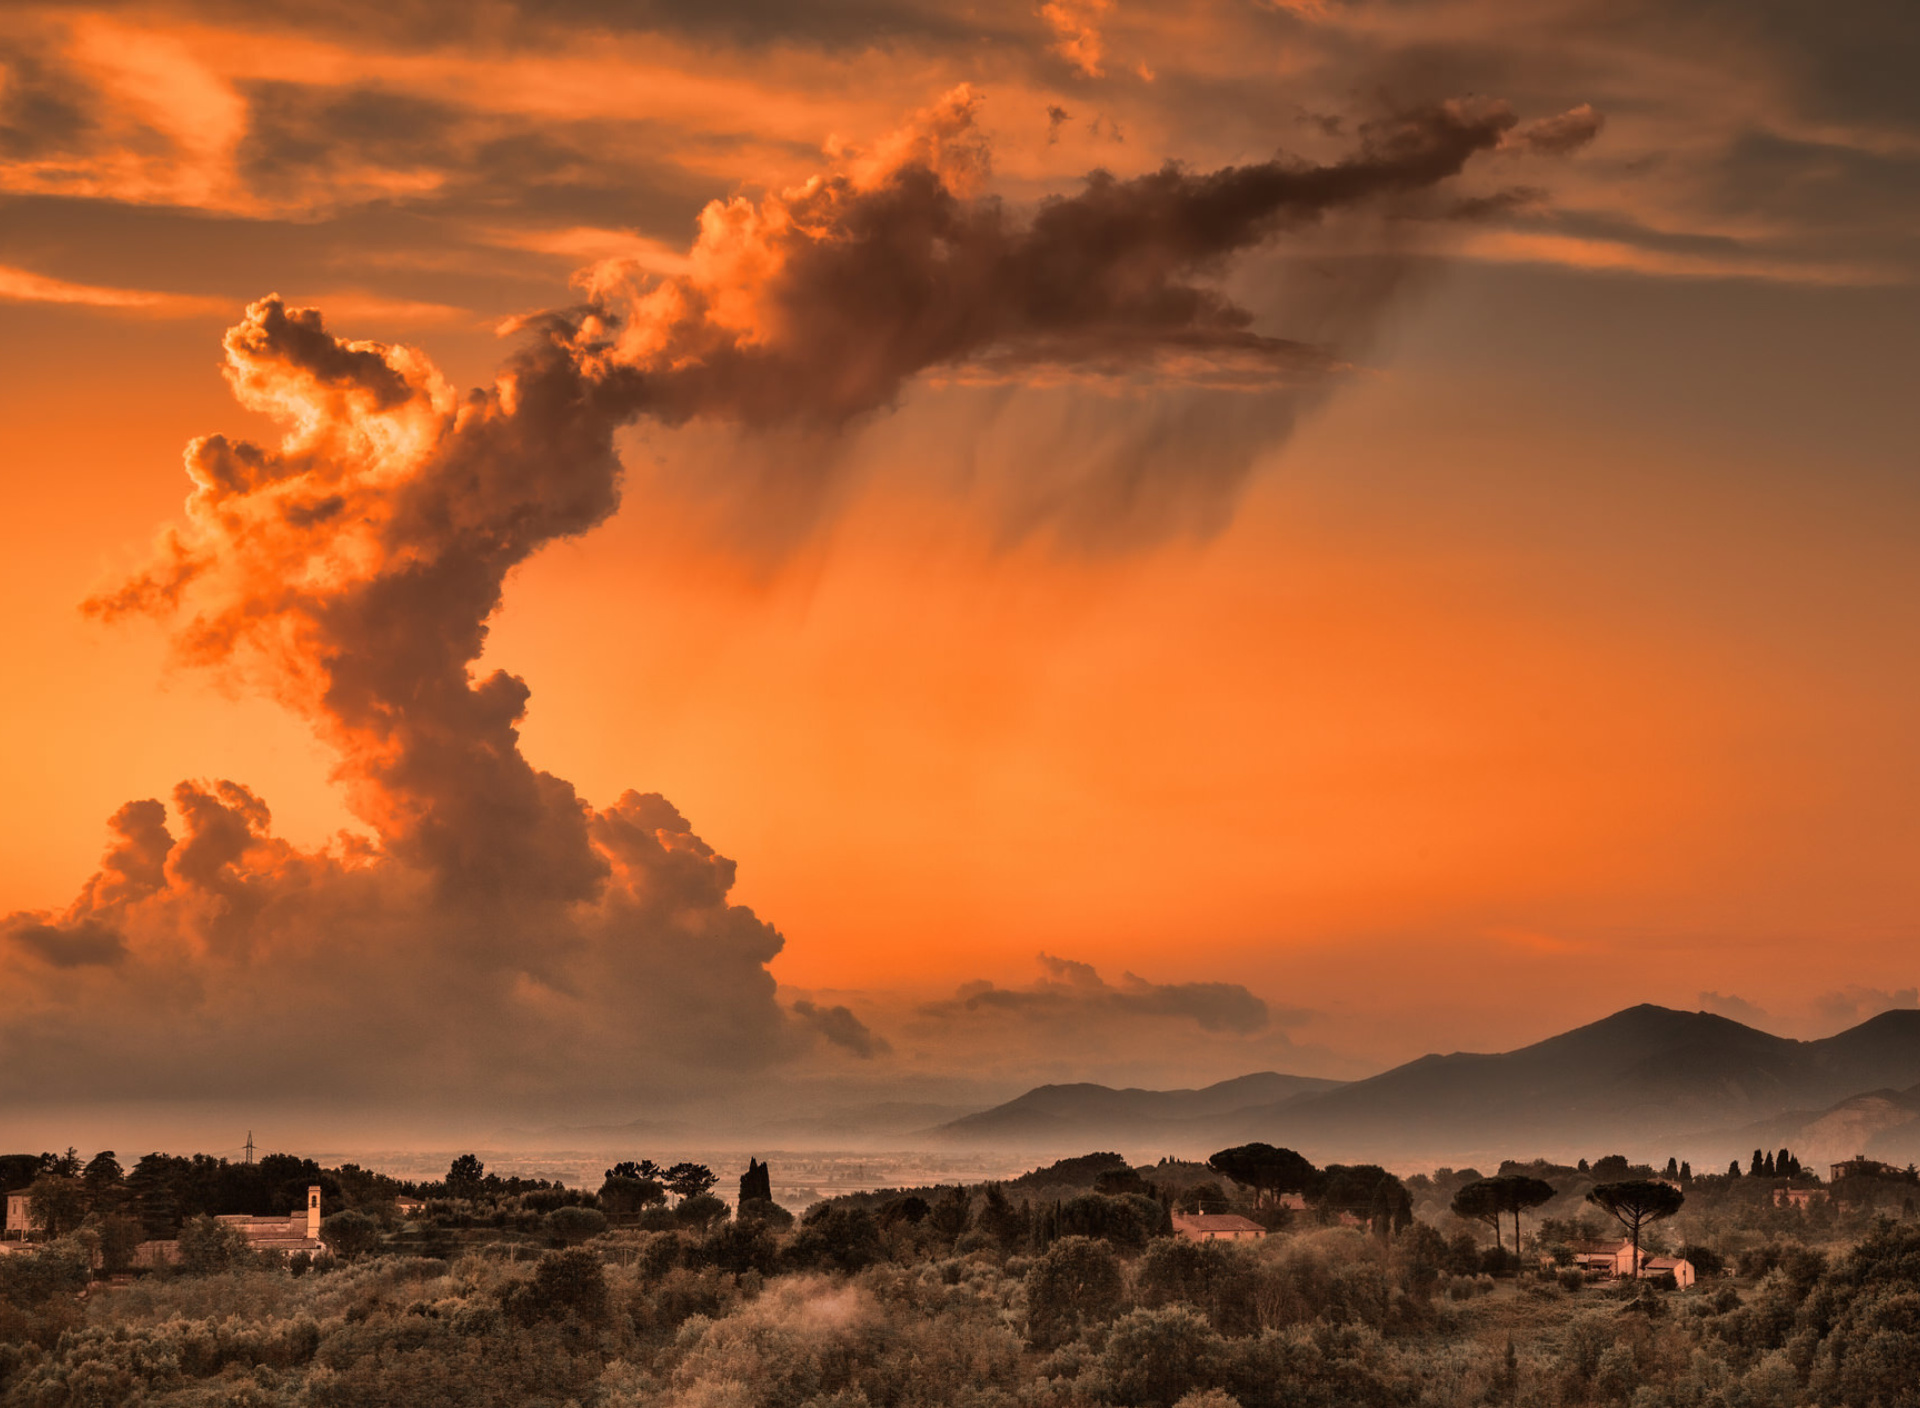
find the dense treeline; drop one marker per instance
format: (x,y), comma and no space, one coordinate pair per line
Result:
(1048,1292)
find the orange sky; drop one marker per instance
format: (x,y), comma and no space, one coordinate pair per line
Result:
(1561,656)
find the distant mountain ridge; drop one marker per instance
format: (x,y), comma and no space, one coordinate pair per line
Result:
(1880,1124)
(1646,1081)
(1049,1113)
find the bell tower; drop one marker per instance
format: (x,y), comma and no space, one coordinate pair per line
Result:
(313,1212)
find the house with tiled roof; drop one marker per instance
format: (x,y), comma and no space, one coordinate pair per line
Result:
(1216,1227)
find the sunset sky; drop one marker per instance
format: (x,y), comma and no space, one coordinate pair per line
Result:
(1434,567)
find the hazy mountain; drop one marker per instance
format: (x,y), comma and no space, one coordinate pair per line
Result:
(1881,1124)
(1070,1116)
(1647,1082)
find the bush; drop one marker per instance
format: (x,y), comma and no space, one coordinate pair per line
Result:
(769,1214)
(350,1234)
(1153,1358)
(207,1246)
(835,1238)
(575,1225)
(571,1282)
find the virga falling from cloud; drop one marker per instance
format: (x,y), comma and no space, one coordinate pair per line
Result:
(491,931)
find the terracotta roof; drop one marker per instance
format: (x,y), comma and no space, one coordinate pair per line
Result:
(1216,1222)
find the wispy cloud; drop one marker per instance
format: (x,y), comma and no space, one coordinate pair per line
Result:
(24,286)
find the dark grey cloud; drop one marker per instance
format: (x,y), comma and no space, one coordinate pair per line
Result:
(1073,992)
(71,946)
(1732,1005)
(840,1027)
(45,107)
(1855,1003)
(825,24)
(877,283)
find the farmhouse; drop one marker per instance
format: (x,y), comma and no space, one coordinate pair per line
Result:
(1860,1166)
(1801,1198)
(1614,1260)
(1216,1227)
(1677,1267)
(19,1214)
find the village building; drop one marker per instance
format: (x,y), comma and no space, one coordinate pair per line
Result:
(298,1231)
(1216,1227)
(1860,1166)
(19,1214)
(1613,1260)
(1677,1267)
(1801,1198)
(1607,1258)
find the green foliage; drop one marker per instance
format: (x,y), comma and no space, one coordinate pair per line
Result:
(1221,1280)
(1077,1172)
(1126,1221)
(861,1306)
(60,1203)
(1077,1283)
(835,1238)
(1365,1191)
(119,1238)
(1154,1358)
(207,1246)
(568,1283)
(767,1214)
(624,1197)
(700,1211)
(349,1233)
(574,1224)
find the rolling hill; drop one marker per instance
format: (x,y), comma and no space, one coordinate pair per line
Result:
(1070,1116)
(1647,1081)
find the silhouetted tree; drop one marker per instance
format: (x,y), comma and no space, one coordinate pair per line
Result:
(756,1182)
(1481,1201)
(1636,1205)
(911,1209)
(624,1197)
(685,1180)
(847,1239)
(465,1177)
(1523,1194)
(1265,1169)
(102,1173)
(1365,1191)
(1001,1219)
(952,1214)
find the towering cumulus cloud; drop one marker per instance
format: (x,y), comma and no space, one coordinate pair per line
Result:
(496,940)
